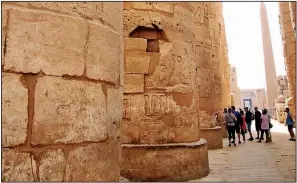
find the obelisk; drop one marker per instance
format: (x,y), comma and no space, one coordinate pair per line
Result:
(271,82)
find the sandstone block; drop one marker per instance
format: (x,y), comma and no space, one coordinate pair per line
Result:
(138,64)
(52,166)
(135,44)
(45,41)
(285,18)
(134,83)
(14,110)
(4,32)
(114,111)
(130,132)
(142,5)
(68,111)
(108,12)
(17,166)
(103,54)
(134,18)
(153,132)
(94,162)
(112,13)
(163,6)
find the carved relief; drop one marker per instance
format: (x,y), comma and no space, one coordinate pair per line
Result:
(204,81)
(175,67)
(202,54)
(126,107)
(156,104)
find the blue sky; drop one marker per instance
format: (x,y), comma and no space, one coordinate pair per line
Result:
(244,37)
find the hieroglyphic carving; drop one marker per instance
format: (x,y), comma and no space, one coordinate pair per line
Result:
(126,107)
(156,104)
(204,81)
(202,54)
(175,67)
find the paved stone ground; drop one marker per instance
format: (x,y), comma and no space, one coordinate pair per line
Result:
(252,161)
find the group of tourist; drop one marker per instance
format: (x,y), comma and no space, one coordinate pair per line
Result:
(240,122)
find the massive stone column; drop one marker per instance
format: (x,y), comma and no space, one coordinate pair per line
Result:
(289,50)
(224,69)
(161,139)
(270,73)
(292,6)
(209,75)
(61,91)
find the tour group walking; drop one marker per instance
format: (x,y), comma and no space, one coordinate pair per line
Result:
(240,123)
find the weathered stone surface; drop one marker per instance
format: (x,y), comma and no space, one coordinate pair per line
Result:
(103,54)
(17,166)
(165,163)
(52,166)
(165,110)
(137,64)
(207,120)
(4,33)
(114,112)
(153,132)
(163,6)
(108,12)
(14,110)
(130,132)
(42,41)
(287,12)
(213,136)
(134,83)
(102,158)
(112,14)
(142,5)
(135,44)
(68,111)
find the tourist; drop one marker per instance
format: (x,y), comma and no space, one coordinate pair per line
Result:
(230,123)
(243,126)
(258,121)
(237,123)
(248,119)
(264,126)
(290,123)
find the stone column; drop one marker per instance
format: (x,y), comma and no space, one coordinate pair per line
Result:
(224,70)
(209,75)
(161,140)
(289,46)
(292,6)
(62,91)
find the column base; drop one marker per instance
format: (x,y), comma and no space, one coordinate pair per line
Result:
(165,162)
(223,130)
(213,137)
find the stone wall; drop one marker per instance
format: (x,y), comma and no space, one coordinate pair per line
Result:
(282,84)
(62,83)
(163,44)
(287,17)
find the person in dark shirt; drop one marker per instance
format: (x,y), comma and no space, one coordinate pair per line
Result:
(238,122)
(248,119)
(258,121)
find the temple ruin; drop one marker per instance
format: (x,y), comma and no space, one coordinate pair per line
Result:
(92,91)
(161,138)
(287,19)
(62,91)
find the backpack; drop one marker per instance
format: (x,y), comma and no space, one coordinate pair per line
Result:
(252,116)
(239,120)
